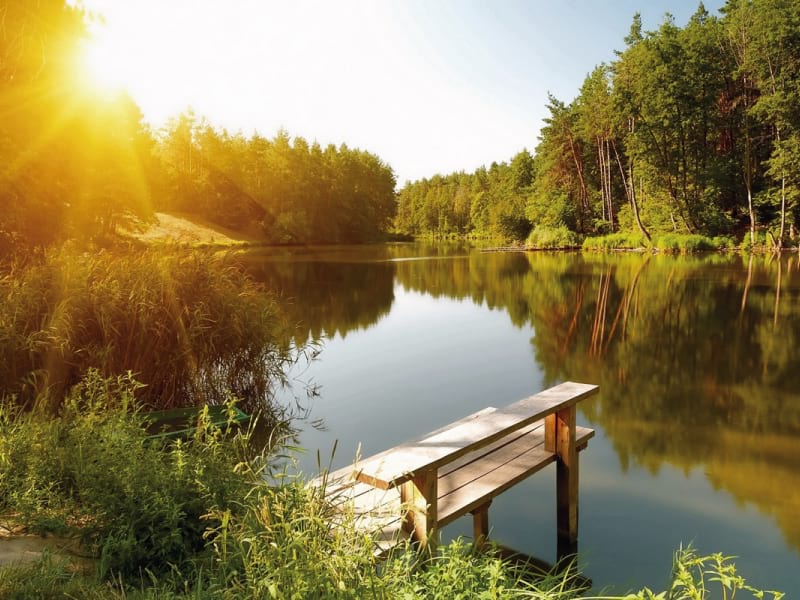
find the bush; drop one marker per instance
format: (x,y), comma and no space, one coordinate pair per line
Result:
(136,504)
(616,241)
(683,243)
(723,242)
(188,324)
(552,237)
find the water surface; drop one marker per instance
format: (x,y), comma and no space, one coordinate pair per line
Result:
(697,358)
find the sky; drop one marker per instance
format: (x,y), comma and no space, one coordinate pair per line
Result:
(430,86)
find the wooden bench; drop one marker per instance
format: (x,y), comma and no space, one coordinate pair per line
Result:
(418,487)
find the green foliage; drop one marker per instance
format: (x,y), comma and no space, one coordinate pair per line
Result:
(488,203)
(189,325)
(684,243)
(758,242)
(723,242)
(553,210)
(616,241)
(287,190)
(201,520)
(135,504)
(698,577)
(552,237)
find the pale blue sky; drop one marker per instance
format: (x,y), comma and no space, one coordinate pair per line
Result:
(428,85)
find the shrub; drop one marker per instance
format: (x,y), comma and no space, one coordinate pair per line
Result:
(552,237)
(188,324)
(135,503)
(683,243)
(723,242)
(616,241)
(762,242)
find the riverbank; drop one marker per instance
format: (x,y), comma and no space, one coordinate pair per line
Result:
(210,519)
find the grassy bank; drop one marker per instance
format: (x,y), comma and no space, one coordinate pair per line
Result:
(206,518)
(189,324)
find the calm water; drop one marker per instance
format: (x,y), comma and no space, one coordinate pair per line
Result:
(698,362)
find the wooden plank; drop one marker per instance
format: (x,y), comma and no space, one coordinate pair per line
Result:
(480,524)
(350,472)
(419,497)
(459,493)
(466,498)
(477,455)
(566,477)
(431,452)
(478,469)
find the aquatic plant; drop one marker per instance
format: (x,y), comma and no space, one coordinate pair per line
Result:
(189,325)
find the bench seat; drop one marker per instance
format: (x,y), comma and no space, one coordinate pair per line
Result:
(464,484)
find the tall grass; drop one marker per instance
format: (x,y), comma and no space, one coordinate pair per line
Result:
(677,243)
(189,325)
(683,243)
(94,472)
(546,237)
(201,520)
(616,241)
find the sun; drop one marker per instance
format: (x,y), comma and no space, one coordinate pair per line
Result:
(100,68)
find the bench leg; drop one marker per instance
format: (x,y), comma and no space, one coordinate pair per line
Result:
(418,496)
(560,433)
(480,525)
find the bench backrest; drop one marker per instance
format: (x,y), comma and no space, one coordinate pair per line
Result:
(399,464)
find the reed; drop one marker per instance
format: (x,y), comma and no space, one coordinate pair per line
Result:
(546,237)
(189,324)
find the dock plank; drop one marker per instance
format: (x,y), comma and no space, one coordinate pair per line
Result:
(466,489)
(399,465)
(459,468)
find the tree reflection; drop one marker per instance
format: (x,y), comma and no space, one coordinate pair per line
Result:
(326,298)
(696,357)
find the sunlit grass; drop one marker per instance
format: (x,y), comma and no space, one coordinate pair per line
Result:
(189,325)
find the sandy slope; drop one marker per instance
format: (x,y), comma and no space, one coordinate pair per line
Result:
(184,230)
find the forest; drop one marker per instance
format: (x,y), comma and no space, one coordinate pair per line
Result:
(79,165)
(692,129)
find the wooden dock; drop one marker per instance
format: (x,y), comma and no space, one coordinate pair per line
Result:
(418,487)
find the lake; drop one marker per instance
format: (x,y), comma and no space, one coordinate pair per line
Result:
(698,361)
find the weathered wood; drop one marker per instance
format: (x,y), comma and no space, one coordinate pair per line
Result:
(451,443)
(352,472)
(480,524)
(566,477)
(464,490)
(550,433)
(466,465)
(419,499)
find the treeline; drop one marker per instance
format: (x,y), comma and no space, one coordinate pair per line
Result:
(289,190)
(691,129)
(489,202)
(73,164)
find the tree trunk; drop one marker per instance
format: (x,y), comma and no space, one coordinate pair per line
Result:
(630,192)
(579,168)
(609,195)
(783,210)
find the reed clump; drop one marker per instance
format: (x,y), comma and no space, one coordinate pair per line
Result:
(189,324)
(546,237)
